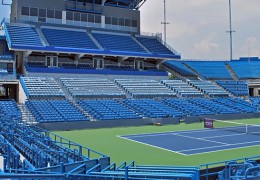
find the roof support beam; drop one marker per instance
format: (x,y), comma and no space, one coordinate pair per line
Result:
(159,62)
(26,54)
(103,2)
(78,56)
(121,59)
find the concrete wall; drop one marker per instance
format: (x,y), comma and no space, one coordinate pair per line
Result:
(61,6)
(65,126)
(222,117)
(22,95)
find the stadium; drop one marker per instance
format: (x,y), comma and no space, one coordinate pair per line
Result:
(86,95)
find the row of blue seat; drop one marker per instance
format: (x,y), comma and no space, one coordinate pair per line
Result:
(244,68)
(24,35)
(55,111)
(9,109)
(237,88)
(65,38)
(108,109)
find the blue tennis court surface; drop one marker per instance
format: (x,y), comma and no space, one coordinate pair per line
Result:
(196,141)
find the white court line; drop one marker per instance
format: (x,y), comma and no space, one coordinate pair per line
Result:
(153,146)
(224,136)
(127,137)
(180,152)
(200,139)
(166,133)
(221,150)
(219,146)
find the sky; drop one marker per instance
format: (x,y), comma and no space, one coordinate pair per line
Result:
(198,28)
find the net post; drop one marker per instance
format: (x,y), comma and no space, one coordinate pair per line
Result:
(208,123)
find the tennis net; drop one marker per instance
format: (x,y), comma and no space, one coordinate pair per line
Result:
(232,126)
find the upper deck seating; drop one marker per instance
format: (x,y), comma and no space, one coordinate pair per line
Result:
(209,88)
(246,69)
(182,88)
(68,38)
(143,88)
(180,68)
(23,35)
(40,87)
(118,42)
(153,45)
(237,88)
(92,88)
(211,70)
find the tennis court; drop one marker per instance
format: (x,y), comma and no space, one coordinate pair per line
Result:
(223,136)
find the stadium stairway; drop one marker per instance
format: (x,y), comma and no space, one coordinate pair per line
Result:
(41,36)
(27,115)
(233,74)
(64,89)
(195,72)
(229,93)
(174,73)
(132,171)
(140,44)
(94,40)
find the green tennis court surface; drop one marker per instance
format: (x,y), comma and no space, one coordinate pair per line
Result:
(108,142)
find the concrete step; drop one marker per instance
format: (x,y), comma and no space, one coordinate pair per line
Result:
(27,116)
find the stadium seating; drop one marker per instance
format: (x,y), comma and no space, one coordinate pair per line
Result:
(9,109)
(188,108)
(92,88)
(237,88)
(239,105)
(24,36)
(152,109)
(249,169)
(108,110)
(246,69)
(153,45)
(179,67)
(55,111)
(143,88)
(255,101)
(6,57)
(214,107)
(207,87)
(121,68)
(40,87)
(182,88)
(143,172)
(210,70)
(68,39)
(36,64)
(37,149)
(118,42)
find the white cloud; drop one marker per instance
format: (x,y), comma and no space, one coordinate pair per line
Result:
(192,20)
(206,45)
(250,47)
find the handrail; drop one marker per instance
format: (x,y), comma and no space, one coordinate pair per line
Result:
(251,169)
(2,22)
(69,142)
(158,36)
(9,42)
